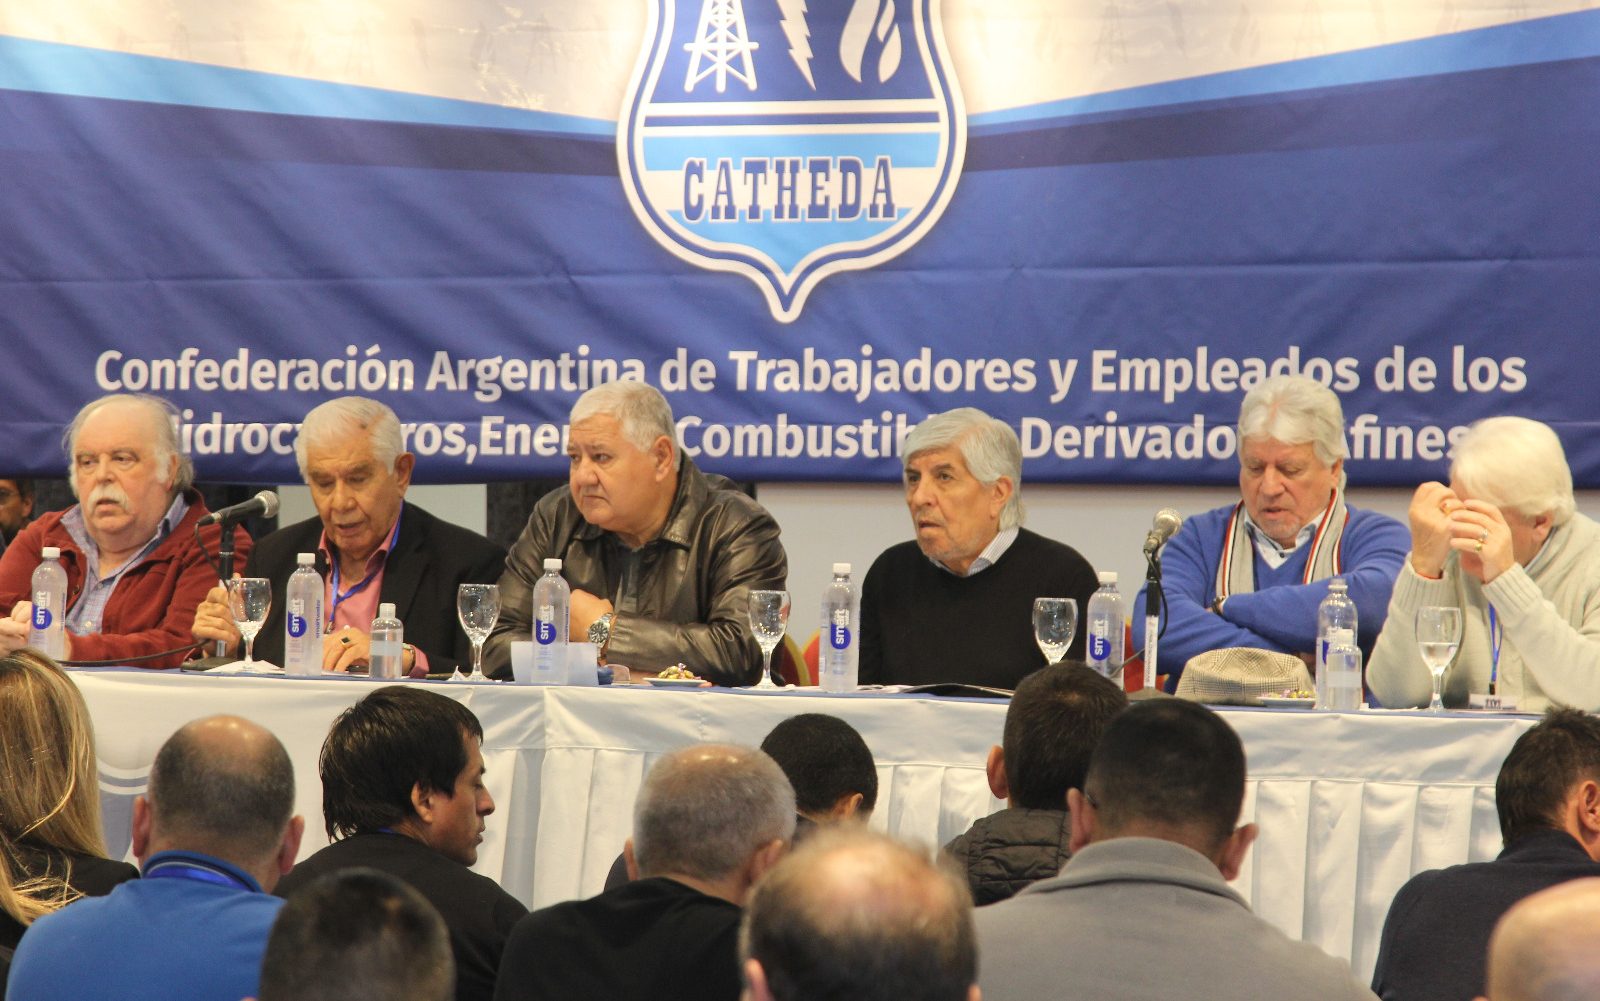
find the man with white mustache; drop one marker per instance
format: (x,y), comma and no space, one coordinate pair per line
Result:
(661,557)
(134,570)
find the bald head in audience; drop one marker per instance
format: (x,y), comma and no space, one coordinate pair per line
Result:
(1547,948)
(855,914)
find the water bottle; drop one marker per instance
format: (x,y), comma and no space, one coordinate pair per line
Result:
(47,631)
(552,602)
(387,650)
(1107,627)
(302,620)
(840,639)
(1337,612)
(1343,672)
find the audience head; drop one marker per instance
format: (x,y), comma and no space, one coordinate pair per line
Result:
(856,916)
(358,935)
(827,763)
(714,813)
(221,786)
(1291,453)
(1551,780)
(1517,465)
(352,455)
(963,482)
(1056,717)
(1169,769)
(623,449)
(16,505)
(49,789)
(407,760)
(1547,947)
(125,463)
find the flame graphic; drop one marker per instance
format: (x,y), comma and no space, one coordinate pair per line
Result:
(869,20)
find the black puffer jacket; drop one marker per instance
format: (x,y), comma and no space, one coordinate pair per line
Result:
(1006,851)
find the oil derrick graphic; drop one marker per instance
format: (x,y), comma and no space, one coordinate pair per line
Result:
(721,39)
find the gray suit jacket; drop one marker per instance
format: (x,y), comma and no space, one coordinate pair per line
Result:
(1138,918)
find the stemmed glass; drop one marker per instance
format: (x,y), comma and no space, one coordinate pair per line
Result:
(769,620)
(249,598)
(477,606)
(1438,637)
(1055,622)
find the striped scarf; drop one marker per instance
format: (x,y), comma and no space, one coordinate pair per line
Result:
(1236,571)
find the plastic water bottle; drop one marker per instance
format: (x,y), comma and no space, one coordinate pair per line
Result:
(1336,612)
(1107,619)
(552,602)
(302,621)
(48,629)
(840,639)
(388,644)
(1343,672)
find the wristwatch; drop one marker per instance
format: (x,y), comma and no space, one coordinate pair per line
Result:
(600,631)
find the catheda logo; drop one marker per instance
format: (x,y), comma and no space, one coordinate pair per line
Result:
(787,140)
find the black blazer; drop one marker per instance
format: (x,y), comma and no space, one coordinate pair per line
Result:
(428,561)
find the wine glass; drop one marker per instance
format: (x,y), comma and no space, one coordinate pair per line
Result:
(477,606)
(249,598)
(769,619)
(1055,622)
(1438,637)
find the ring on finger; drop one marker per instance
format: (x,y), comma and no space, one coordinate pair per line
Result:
(1477,547)
(346,639)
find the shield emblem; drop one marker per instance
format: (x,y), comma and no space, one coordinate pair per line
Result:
(787,140)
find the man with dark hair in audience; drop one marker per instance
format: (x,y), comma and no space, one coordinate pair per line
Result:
(834,776)
(213,834)
(1154,843)
(709,821)
(358,935)
(403,793)
(1548,797)
(1547,947)
(16,508)
(1054,720)
(858,915)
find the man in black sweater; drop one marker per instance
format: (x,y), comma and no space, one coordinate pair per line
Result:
(1548,797)
(709,821)
(956,605)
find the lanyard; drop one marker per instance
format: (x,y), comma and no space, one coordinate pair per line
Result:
(179,869)
(1495,636)
(360,585)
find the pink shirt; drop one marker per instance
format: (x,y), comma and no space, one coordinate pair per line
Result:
(355,604)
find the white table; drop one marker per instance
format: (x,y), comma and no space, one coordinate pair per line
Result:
(1350,805)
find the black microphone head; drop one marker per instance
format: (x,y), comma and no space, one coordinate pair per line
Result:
(269,503)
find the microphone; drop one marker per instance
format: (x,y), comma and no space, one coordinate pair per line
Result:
(1166,522)
(263,505)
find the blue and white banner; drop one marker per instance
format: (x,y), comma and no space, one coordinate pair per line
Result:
(810,222)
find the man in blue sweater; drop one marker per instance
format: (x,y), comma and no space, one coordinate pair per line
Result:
(1252,574)
(214,833)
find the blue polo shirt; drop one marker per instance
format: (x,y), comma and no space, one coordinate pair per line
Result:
(194,928)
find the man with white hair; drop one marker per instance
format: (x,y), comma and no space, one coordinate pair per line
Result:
(956,603)
(134,569)
(1503,543)
(1252,574)
(370,545)
(661,557)
(1547,948)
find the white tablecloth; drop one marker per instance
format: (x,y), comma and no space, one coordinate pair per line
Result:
(1349,805)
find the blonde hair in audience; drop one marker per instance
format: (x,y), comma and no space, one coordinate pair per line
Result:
(49,792)
(1515,463)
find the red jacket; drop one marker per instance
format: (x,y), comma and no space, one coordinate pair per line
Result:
(152,607)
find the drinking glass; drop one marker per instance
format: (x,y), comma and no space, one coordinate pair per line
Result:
(1438,638)
(1055,622)
(249,598)
(477,606)
(769,620)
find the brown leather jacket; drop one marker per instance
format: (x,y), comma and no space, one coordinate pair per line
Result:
(686,593)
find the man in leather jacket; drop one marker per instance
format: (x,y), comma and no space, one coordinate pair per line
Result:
(661,557)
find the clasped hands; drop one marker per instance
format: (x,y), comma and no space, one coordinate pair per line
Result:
(342,650)
(1441,521)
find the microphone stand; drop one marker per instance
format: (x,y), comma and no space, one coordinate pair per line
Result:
(1153,600)
(225,569)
